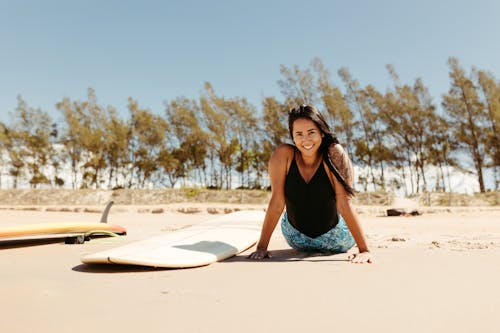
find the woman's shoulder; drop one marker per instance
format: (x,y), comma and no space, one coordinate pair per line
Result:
(285,148)
(339,157)
(284,153)
(336,150)
(342,162)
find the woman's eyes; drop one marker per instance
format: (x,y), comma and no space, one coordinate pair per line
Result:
(309,134)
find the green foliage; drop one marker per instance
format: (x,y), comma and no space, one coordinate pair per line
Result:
(338,113)
(297,85)
(117,149)
(490,91)
(206,141)
(232,128)
(149,135)
(84,139)
(275,121)
(183,115)
(367,125)
(29,143)
(191,193)
(467,117)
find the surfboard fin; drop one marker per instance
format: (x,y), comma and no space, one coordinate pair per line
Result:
(104,217)
(80,239)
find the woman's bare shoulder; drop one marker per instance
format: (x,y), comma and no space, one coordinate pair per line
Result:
(336,150)
(342,162)
(282,154)
(284,149)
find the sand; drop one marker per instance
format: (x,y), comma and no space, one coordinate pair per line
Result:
(433,273)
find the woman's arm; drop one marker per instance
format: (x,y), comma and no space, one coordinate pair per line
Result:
(344,165)
(278,165)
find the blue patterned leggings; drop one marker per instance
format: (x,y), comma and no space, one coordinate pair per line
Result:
(337,240)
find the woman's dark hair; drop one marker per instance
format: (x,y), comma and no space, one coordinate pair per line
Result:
(307,111)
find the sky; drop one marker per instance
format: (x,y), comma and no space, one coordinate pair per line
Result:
(155,51)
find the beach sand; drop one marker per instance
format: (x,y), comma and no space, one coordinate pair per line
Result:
(433,273)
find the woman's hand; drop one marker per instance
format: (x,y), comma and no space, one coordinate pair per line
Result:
(260,254)
(361,258)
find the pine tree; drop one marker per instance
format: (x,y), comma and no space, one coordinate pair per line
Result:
(467,117)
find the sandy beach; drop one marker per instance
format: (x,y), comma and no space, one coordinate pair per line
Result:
(437,272)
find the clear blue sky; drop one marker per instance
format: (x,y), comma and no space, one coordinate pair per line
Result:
(157,50)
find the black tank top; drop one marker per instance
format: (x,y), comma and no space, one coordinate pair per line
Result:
(311,207)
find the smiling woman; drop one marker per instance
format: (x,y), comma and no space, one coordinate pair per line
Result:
(313,179)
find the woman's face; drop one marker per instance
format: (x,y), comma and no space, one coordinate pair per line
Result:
(306,136)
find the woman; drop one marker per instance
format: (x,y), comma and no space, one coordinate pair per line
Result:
(314,180)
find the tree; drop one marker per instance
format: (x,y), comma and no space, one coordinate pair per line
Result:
(149,133)
(84,139)
(365,142)
(191,140)
(490,91)
(31,144)
(4,145)
(222,142)
(70,137)
(262,153)
(173,164)
(93,139)
(441,146)
(466,114)
(297,86)
(381,151)
(274,129)
(117,150)
(338,113)
(16,170)
(411,116)
(274,121)
(243,125)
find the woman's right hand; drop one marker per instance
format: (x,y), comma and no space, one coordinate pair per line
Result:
(260,254)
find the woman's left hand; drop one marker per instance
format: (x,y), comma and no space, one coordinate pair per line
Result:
(361,258)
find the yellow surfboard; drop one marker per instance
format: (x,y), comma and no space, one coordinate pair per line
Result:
(44,230)
(74,232)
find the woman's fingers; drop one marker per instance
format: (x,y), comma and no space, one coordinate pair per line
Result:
(257,255)
(361,258)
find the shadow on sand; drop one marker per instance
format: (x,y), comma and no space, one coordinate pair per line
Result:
(290,255)
(285,255)
(115,269)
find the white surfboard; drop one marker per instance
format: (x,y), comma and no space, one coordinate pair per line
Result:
(199,245)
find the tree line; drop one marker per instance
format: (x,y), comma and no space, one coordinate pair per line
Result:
(397,138)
